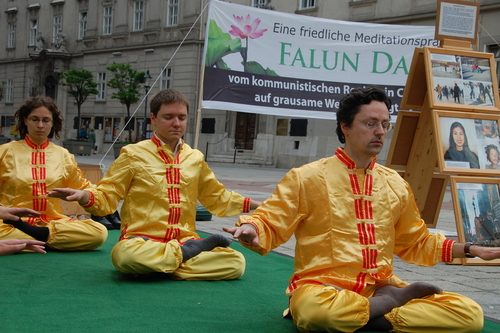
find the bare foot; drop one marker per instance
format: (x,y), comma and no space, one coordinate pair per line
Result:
(389,297)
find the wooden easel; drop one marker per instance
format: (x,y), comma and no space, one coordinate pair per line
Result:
(414,145)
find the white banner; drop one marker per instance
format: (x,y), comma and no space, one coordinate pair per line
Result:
(268,62)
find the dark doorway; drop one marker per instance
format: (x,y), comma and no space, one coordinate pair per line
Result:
(50,87)
(245,130)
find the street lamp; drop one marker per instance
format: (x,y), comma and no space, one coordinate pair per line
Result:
(146,88)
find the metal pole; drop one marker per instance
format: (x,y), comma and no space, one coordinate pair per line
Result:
(146,88)
(144,126)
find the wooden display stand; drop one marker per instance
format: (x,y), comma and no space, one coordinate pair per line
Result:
(441,90)
(94,174)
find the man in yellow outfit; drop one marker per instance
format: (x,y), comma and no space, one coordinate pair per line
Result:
(160,181)
(350,215)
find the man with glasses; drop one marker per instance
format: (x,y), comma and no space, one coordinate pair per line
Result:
(350,216)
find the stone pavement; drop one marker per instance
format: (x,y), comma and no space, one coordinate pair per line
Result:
(477,282)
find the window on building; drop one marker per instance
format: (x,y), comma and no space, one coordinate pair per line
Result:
(101,87)
(11,35)
(298,127)
(31,86)
(138,15)
(166,78)
(173,12)
(112,128)
(305,4)
(259,3)
(56,27)
(33,32)
(9,91)
(208,125)
(107,22)
(282,127)
(82,24)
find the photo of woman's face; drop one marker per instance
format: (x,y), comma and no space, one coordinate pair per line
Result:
(458,137)
(493,156)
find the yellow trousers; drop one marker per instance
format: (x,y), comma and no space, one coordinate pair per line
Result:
(326,309)
(139,256)
(64,234)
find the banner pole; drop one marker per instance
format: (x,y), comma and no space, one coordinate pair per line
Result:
(198,109)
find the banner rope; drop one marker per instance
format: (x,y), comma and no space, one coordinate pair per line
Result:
(101,164)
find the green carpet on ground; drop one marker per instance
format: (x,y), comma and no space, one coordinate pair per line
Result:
(82,292)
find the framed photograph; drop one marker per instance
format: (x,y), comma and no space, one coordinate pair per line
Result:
(458,20)
(461,80)
(476,203)
(468,143)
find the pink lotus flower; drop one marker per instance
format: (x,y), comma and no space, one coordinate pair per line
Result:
(245,29)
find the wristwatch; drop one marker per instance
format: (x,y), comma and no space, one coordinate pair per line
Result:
(467,250)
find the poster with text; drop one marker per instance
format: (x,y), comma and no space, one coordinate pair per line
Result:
(268,62)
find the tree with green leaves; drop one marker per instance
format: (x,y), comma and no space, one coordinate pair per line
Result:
(80,83)
(127,81)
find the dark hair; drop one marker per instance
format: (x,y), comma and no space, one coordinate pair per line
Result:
(35,102)
(489,148)
(167,96)
(351,103)
(452,142)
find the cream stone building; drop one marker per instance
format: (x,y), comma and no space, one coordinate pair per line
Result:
(40,39)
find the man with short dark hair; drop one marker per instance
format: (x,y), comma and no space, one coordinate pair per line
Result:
(160,180)
(350,216)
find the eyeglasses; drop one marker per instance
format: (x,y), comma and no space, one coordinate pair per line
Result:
(371,125)
(45,121)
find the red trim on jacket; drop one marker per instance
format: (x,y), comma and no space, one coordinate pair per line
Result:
(447,252)
(246,205)
(39,177)
(363,209)
(91,200)
(172,177)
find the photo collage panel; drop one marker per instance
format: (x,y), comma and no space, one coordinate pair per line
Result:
(462,80)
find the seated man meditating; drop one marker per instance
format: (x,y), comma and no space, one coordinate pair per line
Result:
(160,181)
(350,216)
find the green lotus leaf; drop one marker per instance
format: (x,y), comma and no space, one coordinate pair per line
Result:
(256,68)
(221,64)
(219,45)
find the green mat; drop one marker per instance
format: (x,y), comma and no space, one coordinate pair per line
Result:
(82,292)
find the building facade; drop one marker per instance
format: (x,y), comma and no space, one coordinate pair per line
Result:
(43,38)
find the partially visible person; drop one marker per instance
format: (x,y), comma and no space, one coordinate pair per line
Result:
(459,147)
(13,131)
(439,91)
(91,139)
(31,166)
(487,93)
(350,217)
(456,93)
(160,181)
(83,133)
(492,155)
(13,213)
(10,246)
(488,130)
(472,94)
(446,92)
